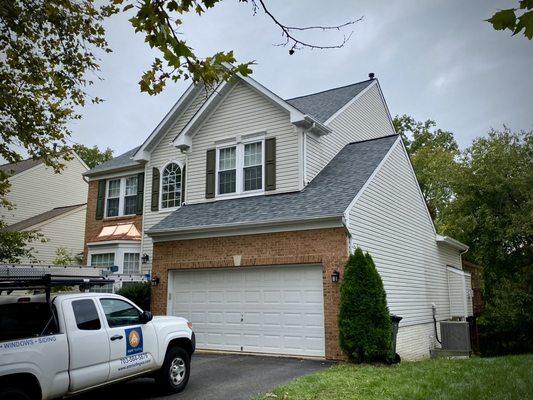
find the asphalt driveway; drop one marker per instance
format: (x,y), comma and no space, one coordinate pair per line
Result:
(219,376)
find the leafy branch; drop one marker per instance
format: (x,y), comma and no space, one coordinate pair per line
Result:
(508,19)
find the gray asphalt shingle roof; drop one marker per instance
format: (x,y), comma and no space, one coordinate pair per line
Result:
(328,195)
(21,166)
(122,161)
(324,104)
(39,218)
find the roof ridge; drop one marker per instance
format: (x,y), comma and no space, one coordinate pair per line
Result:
(329,90)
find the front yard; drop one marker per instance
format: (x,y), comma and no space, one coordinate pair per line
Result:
(508,377)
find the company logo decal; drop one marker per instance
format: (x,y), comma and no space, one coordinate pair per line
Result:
(134,340)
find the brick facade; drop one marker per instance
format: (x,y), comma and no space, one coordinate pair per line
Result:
(93,226)
(328,247)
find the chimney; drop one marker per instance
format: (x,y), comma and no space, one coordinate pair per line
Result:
(371,75)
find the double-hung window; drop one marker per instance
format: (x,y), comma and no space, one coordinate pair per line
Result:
(131,263)
(240,168)
(121,196)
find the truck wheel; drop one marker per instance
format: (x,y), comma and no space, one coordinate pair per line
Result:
(174,374)
(13,393)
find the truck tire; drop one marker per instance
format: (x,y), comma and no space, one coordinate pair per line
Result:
(174,374)
(14,393)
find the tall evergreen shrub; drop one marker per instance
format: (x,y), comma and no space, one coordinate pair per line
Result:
(364,320)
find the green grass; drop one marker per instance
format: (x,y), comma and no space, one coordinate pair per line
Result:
(501,378)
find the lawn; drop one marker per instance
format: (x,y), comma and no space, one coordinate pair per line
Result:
(509,377)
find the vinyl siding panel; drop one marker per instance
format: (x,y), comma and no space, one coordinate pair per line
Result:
(65,231)
(39,189)
(314,157)
(366,118)
(390,221)
(415,341)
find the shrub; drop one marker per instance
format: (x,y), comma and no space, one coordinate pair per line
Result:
(506,325)
(364,320)
(138,292)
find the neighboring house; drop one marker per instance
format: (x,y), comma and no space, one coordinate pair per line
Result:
(248,206)
(53,204)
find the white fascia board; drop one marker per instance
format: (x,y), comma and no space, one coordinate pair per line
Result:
(239,229)
(452,242)
(368,181)
(353,100)
(77,157)
(142,154)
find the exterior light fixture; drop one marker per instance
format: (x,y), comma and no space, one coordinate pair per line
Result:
(335,276)
(155,281)
(145,257)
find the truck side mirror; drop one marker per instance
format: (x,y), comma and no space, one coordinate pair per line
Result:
(146,317)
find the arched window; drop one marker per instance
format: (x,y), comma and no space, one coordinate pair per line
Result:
(171,186)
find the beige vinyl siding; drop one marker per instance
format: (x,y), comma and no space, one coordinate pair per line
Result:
(163,153)
(365,118)
(39,189)
(65,231)
(391,222)
(244,111)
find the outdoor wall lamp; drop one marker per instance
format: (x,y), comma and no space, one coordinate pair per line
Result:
(145,257)
(335,276)
(155,281)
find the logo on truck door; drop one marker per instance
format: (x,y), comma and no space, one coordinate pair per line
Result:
(134,342)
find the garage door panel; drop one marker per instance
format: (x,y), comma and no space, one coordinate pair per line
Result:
(265,309)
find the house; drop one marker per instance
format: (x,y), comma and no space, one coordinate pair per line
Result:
(53,204)
(248,205)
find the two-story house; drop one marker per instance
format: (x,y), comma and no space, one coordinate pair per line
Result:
(53,204)
(244,208)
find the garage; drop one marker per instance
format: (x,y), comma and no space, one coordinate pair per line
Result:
(271,309)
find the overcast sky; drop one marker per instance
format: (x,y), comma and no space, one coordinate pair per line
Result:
(434,59)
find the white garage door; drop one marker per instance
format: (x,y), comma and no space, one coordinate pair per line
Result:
(265,309)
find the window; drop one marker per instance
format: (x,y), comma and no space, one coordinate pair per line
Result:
(240,168)
(121,196)
(120,313)
(105,260)
(131,263)
(37,320)
(86,315)
(107,288)
(171,186)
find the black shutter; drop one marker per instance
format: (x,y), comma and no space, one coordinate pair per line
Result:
(183,179)
(155,189)
(100,199)
(270,164)
(140,193)
(210,174)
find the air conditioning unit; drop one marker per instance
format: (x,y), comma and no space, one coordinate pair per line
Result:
(455,335)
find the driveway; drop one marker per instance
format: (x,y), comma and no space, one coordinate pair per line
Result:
(219,376)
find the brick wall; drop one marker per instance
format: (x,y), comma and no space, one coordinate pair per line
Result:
(328,247)
(93,226)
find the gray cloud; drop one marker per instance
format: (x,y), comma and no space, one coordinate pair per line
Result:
(434,59)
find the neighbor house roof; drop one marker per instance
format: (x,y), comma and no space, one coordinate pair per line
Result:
(324,104)
(40,218)
(328,195)
(123,161)
(21,166)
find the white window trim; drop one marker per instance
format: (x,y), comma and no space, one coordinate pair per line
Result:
(118,250)
(121,197)
(166,210)
(239,165)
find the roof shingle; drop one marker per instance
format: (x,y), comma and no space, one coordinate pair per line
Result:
(122,161)
(21,166)
(39,218)
(328,195)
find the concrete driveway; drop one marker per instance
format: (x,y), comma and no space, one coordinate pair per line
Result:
(219,376)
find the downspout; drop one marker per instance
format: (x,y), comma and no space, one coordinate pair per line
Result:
(434,312)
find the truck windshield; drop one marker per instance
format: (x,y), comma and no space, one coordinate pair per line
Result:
(25,320)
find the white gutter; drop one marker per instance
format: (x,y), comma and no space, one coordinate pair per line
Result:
(452,242)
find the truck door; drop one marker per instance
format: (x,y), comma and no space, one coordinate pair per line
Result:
(88,344)
(133,346)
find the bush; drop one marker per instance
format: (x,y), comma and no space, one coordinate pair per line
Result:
(506,325)
(364,320)
(138,292)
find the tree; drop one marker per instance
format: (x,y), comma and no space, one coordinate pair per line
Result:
(365,329)
(138,292)
(93,156)
(493,206)
(515,19)
(65,257)
(434,154)
(14,246)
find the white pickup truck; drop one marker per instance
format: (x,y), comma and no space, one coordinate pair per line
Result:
(77,342)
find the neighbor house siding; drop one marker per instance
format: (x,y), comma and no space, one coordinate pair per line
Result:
(65,231)
(365,118)
(391,222)
(244,111)
(39,189)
